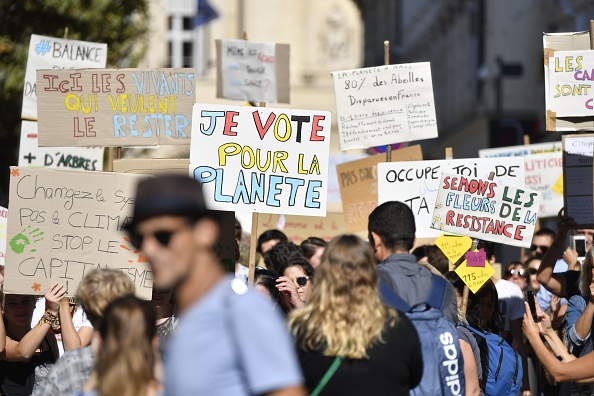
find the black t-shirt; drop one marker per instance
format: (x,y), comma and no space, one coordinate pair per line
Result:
(393,367)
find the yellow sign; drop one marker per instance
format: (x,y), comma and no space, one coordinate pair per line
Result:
(558,186)
(475,277)
(453,246)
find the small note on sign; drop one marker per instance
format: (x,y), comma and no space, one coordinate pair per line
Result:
(474,277)
(476,258)
(453,246)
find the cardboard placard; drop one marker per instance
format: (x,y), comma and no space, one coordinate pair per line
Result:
(254,71)
(30,154)
(553,42)
(299,228)
(63,224)
(358,185)
(115,107)
(382,105)
(544,168)
(416,183)
(475,277)
(54,53)
(570,92)
(485,209)
(577,178)
(3,226)
(261,159)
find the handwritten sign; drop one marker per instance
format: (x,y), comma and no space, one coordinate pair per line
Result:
(261,159)
(30,154)
(358,185)
(570,92)
(577,178)
(475,277)
(416,183)
(54,53)
(3,225)
(298,228)
(255,71)
(384,105)
(544,167)
(453,246)
(476,258)
(63,224)
(115,107)
(485,209)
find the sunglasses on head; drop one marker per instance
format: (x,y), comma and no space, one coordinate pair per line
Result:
(543,249)
(302,280)
(512,272)
(264,271)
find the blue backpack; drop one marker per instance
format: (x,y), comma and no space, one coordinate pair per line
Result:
(443,365)
(502,365)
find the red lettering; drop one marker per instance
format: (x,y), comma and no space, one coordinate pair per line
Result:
(446,182)
(262,130)
(450,218)
(315,128)
(459,220)
(589,104)
(50,79)
(230,123)
(518,234)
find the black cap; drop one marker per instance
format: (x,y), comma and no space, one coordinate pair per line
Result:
(168,195)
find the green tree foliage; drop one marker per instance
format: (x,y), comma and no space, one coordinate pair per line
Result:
(122,24)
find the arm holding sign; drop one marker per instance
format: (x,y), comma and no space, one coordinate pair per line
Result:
(17,351)
(72,339)
(555,283)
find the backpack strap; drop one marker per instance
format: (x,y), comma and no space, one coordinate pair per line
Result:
(391,298)
(327,376)
(437,293)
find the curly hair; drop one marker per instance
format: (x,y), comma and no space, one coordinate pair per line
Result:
(344,315)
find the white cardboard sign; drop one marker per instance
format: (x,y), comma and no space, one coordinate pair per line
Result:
(571,91)
(261,159)
(416,183)
(382,105)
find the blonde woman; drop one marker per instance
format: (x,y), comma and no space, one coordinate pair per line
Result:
(349,342)
(127,363)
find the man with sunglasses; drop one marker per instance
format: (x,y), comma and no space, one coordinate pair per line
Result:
(541,242)
(212,352)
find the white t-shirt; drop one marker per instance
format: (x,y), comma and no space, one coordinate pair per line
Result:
(511,302)
(79,319)
(242,273)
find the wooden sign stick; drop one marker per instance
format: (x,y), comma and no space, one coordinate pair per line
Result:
(387,62)
(472,249)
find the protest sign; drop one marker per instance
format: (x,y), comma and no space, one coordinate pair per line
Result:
(254,71)
(570,92)
(299,228)
(261,159)
(553,43)
(115,107)
(3,224)
(416,183)
(544,168)
(453,246)
(382,105)
(54,53)
(577,178)
(485,209)
(358,185)
(474,277)
(63,224)
(30,154)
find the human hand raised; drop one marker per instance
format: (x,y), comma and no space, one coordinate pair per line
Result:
(53,296)
(286,286)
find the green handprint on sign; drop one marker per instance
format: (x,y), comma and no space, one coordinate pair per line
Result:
(20,241)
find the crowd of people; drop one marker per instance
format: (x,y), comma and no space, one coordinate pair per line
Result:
(347,317)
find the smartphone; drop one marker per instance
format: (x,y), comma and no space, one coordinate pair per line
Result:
(531,303)
(578,243)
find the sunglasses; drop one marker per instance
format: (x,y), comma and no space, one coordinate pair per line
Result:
(162,236)
(512,272)
(264,271)
(543,249)
(302,280)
